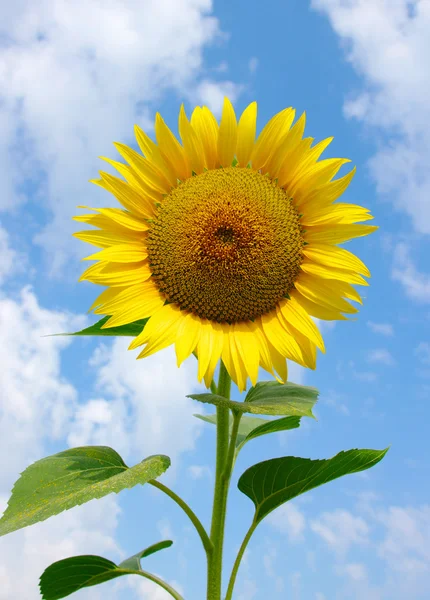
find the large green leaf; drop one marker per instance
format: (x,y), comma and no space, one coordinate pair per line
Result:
(269,398)
(130,329)
(273,482)
(67,576)
(252,427)
(72,477)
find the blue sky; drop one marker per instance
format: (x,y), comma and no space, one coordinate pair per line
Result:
(76,77)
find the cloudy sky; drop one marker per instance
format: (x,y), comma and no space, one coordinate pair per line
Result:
(76,76)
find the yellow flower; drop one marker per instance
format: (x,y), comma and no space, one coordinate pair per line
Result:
(227,243)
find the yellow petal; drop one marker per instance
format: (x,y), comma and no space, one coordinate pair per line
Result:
(204,348)
(152,152)
(280,338)
(331,273)
(343,214)
(106,296)
(146,306)
(301,346)
(325,194)
(263,347)
(101,239)
(339,258)
(316,310)
(134,180)
(227,135)
(163,332)
(239,366)
(128,296)
(206,127)
(285,147)
(108,225)
(121,253)
(247,347)
(144,169)
(246,134)
(336,234)
(292,162)
(270,136)
(312,155)
(187,337)
(324,293)
(107,276)
(217,346)
(298,317)
(125,219)
(192,144)
(137,203)
(172,149)
(307,347)
(226,355)
(279,363)
(316,176)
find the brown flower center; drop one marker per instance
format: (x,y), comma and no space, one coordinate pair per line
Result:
(226,245)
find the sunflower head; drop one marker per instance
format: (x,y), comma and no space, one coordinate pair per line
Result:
(228,243)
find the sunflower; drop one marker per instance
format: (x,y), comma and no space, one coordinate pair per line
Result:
(227,243)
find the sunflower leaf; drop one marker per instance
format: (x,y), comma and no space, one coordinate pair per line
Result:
(253,427)
(130,329)
(271,483)
(269,398)
(64,577)
(61,481)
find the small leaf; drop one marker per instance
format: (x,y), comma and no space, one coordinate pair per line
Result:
(67,576)
(134,561)
(72,477)
(252,427)
(269,398)
(273,482)
(272,392)
(264,426)
(130,329)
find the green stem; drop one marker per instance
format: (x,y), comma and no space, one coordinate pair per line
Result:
(224,463)
(238,559)
(207,544)
(161,583)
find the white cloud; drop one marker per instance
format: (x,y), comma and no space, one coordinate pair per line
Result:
(8,262)
(86,529)
(335,400)
(355,571)
(380,355)
(366,376)
(75,77)
(145,410)
(388,45)
(212,93)
(415,283)
(253,64)
(399,536)
(199,471)
(382,328)
(341,529)
(406,544)
(288,519)
(36,402)
(422,351)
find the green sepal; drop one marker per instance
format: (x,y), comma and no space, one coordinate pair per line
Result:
(70,478)
(130,329)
